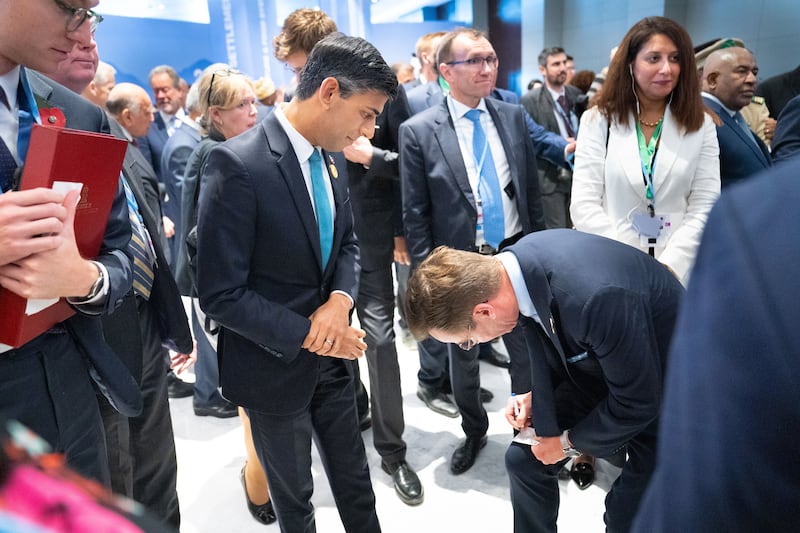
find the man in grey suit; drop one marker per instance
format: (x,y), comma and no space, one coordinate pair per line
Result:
(468,175)
(277,268)
(729,81)
(554,106)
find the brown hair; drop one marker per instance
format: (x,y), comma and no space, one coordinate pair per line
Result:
(583,80)
(617,100)
(445,288)
(302,29)
(444,52)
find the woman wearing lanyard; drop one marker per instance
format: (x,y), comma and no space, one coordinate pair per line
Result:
(647,159)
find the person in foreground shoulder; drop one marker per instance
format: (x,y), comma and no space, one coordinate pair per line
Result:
(597,336)
(278,268)
(731,388)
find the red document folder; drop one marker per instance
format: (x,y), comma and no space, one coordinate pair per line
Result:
(58,154)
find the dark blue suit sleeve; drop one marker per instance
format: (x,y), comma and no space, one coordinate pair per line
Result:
(548,145)
(416,199)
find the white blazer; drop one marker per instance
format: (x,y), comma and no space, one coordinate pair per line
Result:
(606,191)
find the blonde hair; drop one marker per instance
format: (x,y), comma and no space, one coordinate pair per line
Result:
(221,88)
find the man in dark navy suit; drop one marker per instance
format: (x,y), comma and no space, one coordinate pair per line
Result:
(45,383)
(786,143)
(597,334)
(277,266)
(729,80)
(731,396)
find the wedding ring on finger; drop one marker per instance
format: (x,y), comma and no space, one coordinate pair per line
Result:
(328,341)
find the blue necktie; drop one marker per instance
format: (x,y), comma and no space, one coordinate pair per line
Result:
(25,123)
(488,185)
(322,206)
(138,247)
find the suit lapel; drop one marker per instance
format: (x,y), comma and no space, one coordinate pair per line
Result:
(445,133)
(669,146)
(287,161)
(751,142)
(626,143)
(339,189)
(502,121)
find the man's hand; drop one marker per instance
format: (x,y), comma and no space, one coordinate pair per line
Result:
(54,272)
(330,332)
(769,128)
(169,227)
(401,251)
(30,222)
(180,362)
(518,410)
(359,152)
(549,450)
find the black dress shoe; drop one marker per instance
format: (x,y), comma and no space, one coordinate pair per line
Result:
(264,513)
(493,357)
(177,388)
(464,456)
(221,408)
(406,483)
(582,471)
(437,401)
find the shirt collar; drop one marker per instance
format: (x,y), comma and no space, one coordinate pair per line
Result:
(302,148)
(556,94)
(460,109)
(524,302)
(717,100)
(10,83)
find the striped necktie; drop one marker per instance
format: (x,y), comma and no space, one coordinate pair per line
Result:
(139,247)
(7,162)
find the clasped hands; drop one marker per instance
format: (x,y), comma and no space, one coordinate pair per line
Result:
(38,254)
(331,334)
(548,450)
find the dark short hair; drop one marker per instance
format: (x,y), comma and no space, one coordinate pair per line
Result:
(355,63)
(617,100)
(547,52)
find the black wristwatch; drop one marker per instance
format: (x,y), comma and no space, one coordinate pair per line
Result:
(567,447)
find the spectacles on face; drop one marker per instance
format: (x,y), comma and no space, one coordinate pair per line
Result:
(79,15)
(470,342)
(218,74)
(477,62)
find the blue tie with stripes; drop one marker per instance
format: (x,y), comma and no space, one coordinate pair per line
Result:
(139,247)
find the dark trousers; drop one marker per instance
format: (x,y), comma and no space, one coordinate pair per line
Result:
(375,307)
(283,444)
(45,385)
(152,444)
(534,486)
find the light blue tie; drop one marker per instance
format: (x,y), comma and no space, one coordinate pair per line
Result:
(322,206)
(488,185)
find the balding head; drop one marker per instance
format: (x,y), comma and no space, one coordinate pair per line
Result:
(130,105)
(730,75)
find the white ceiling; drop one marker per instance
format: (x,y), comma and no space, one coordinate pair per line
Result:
(183,10)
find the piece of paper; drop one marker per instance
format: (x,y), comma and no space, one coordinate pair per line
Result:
(527,435)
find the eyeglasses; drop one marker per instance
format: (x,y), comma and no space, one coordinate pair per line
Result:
(477,62)
(470,343)
(79,15)
(221,74)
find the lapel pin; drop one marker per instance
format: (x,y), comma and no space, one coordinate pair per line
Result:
(552,326)
(332,167)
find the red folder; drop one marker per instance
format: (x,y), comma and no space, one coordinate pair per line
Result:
(59,154)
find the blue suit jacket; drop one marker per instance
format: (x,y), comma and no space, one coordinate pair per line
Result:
(786,142)
(174,157)
(619,306)
(259,266)
(547,144)
(731,400)
(86,328)
(739,157)
(438,204)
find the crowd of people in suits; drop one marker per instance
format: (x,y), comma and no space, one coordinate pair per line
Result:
(246,231)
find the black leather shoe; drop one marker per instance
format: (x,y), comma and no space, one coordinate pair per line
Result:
(406,483)
(437,401)
(493,357)
(464,456)
(221,408)
(264,513)
(365,422)
(582,471)
(177,388)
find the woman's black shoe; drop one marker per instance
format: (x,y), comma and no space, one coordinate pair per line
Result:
(264,513)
